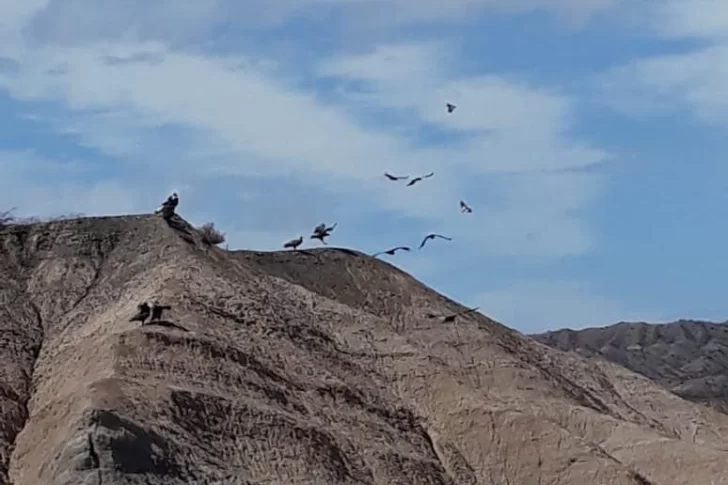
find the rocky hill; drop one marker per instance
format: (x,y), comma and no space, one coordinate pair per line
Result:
(688,357)
(309,367)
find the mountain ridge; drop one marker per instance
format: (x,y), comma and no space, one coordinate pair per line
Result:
(689,357)
(307,367)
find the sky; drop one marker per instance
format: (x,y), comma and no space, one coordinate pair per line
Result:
(589,137)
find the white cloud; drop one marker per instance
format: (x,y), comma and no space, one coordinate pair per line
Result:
(71,22)
(689,18)
(240,115)
(537,306)
(695,81)
(690,80)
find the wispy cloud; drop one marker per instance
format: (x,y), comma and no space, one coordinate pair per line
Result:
(269,139)
(691,79)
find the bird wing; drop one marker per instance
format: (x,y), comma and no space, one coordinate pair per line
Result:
(424,241)
(428,175)
(403,248)
(442,237)
(329,229)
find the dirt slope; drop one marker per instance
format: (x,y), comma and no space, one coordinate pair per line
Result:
(688,357)
(315,367)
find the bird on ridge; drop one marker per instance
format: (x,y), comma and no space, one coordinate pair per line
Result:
(294,243)
(142,314)
(157,310)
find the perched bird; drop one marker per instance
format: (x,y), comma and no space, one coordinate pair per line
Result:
(450,107)
(294,243)
(464,208)
(392,251)
(419,179)
(451,318)
(168,206)
(157,310)
(395,177)
(433,236)
(321,232)
(142,313)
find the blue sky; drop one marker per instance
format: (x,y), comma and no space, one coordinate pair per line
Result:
(589,136)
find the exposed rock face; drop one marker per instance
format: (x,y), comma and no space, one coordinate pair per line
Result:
(688,357)
(316,367)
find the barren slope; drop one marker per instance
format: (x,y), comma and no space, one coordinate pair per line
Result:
(312,367)
(688,357)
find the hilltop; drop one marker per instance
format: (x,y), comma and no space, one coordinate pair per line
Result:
(688,357)
(308,367)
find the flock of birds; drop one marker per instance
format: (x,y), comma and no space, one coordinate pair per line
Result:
(322,231)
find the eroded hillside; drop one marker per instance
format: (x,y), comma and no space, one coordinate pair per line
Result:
(310,367)
(688,357)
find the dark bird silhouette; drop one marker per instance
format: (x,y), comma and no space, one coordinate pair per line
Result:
(419,179)
(433,236)
(464,208)
(142,313)
(451,318)
(168,206)
(294,243)
(157,310)
(395,177)
(450,107)
(321,232)
(392,251)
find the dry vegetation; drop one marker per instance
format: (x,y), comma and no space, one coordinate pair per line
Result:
(210,235)
(316,367)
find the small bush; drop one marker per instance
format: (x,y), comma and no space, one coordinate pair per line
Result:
(210,235)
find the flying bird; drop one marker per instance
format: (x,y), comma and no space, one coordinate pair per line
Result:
(419,179)
(451,318)
(450,107)
(433,236)
(321,232)
(392,251)
(142,313)
(395,177)
(294,243)
(465,208)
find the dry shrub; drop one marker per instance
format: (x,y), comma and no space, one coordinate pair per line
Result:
(210,235)
(6,217)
